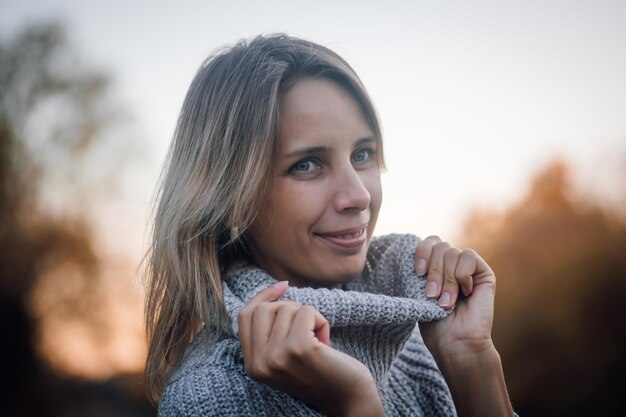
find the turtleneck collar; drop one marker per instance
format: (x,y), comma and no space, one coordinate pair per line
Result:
(372,318)
(350,307)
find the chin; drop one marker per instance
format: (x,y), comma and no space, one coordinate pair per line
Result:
(345,271)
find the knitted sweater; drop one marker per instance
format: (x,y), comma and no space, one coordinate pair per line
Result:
(372,319)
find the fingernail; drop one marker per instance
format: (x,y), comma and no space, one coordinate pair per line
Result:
(421,267)
(465,291)
(445,299)
(431,289)
(281,285)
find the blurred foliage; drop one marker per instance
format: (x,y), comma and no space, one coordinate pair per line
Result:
(53,111)
(561,269)
(560,261)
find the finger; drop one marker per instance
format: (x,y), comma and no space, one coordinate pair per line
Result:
(434,281)
(422,254)
(465,270)
(261,324)
(270,293)
(450,290)
(484,273)
(244,318)
(309,322)
(322,329)
(283,322)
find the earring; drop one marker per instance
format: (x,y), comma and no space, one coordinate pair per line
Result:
(234,233)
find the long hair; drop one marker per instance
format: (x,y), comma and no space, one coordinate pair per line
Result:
(219,167)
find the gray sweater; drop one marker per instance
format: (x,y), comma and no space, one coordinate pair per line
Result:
(372,319)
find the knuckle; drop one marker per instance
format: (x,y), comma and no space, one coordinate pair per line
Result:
(294,351)
(259,372)
(433,238)
(293,305)
(451,252)
(463,279)
(450,281)
(244,314)
(449,277)
(435,271)
(253,368)
(441,246)
(463,270)
(469,251)
(287,308)
(264,309)
(308,309)
(277,361)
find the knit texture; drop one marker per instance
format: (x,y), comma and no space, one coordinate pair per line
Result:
(373,318)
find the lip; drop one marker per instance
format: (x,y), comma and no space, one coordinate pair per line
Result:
(346,238)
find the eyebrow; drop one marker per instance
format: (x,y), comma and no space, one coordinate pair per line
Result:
(316,150)
(313,150)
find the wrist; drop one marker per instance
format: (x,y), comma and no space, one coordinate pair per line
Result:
(362,401)
(485,362)
(461,353)
(476,381)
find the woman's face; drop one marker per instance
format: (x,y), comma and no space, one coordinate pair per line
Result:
(314,226)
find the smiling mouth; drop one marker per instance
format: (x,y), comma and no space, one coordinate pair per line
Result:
(350,238)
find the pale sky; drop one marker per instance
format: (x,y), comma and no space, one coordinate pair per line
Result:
(474,96)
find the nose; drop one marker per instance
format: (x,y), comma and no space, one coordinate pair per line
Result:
(351,194)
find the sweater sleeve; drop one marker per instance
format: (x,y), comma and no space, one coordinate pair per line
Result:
(218,391)
(211,392)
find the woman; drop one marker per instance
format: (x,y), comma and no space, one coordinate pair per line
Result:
(267,294)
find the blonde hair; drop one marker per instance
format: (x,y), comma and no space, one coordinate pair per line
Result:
(218,168)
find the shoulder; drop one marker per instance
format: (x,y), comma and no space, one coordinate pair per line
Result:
(208,381)
(211,381)
(209,390)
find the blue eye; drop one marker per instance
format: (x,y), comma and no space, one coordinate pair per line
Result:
(305,167)
(362,156)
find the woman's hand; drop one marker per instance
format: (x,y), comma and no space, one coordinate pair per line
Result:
(461,343)
(449,270)
(287,346)
(469,325)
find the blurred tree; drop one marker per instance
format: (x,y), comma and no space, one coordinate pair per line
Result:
(561,284)
(53,112)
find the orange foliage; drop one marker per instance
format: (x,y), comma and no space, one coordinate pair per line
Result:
(59,306)
(561,270)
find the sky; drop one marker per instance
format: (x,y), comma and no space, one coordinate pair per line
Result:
(474,96)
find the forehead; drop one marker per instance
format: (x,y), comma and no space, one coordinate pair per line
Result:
(320,112)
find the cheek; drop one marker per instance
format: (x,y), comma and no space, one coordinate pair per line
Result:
(294,206)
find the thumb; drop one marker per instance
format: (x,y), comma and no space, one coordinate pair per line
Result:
(322,329)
